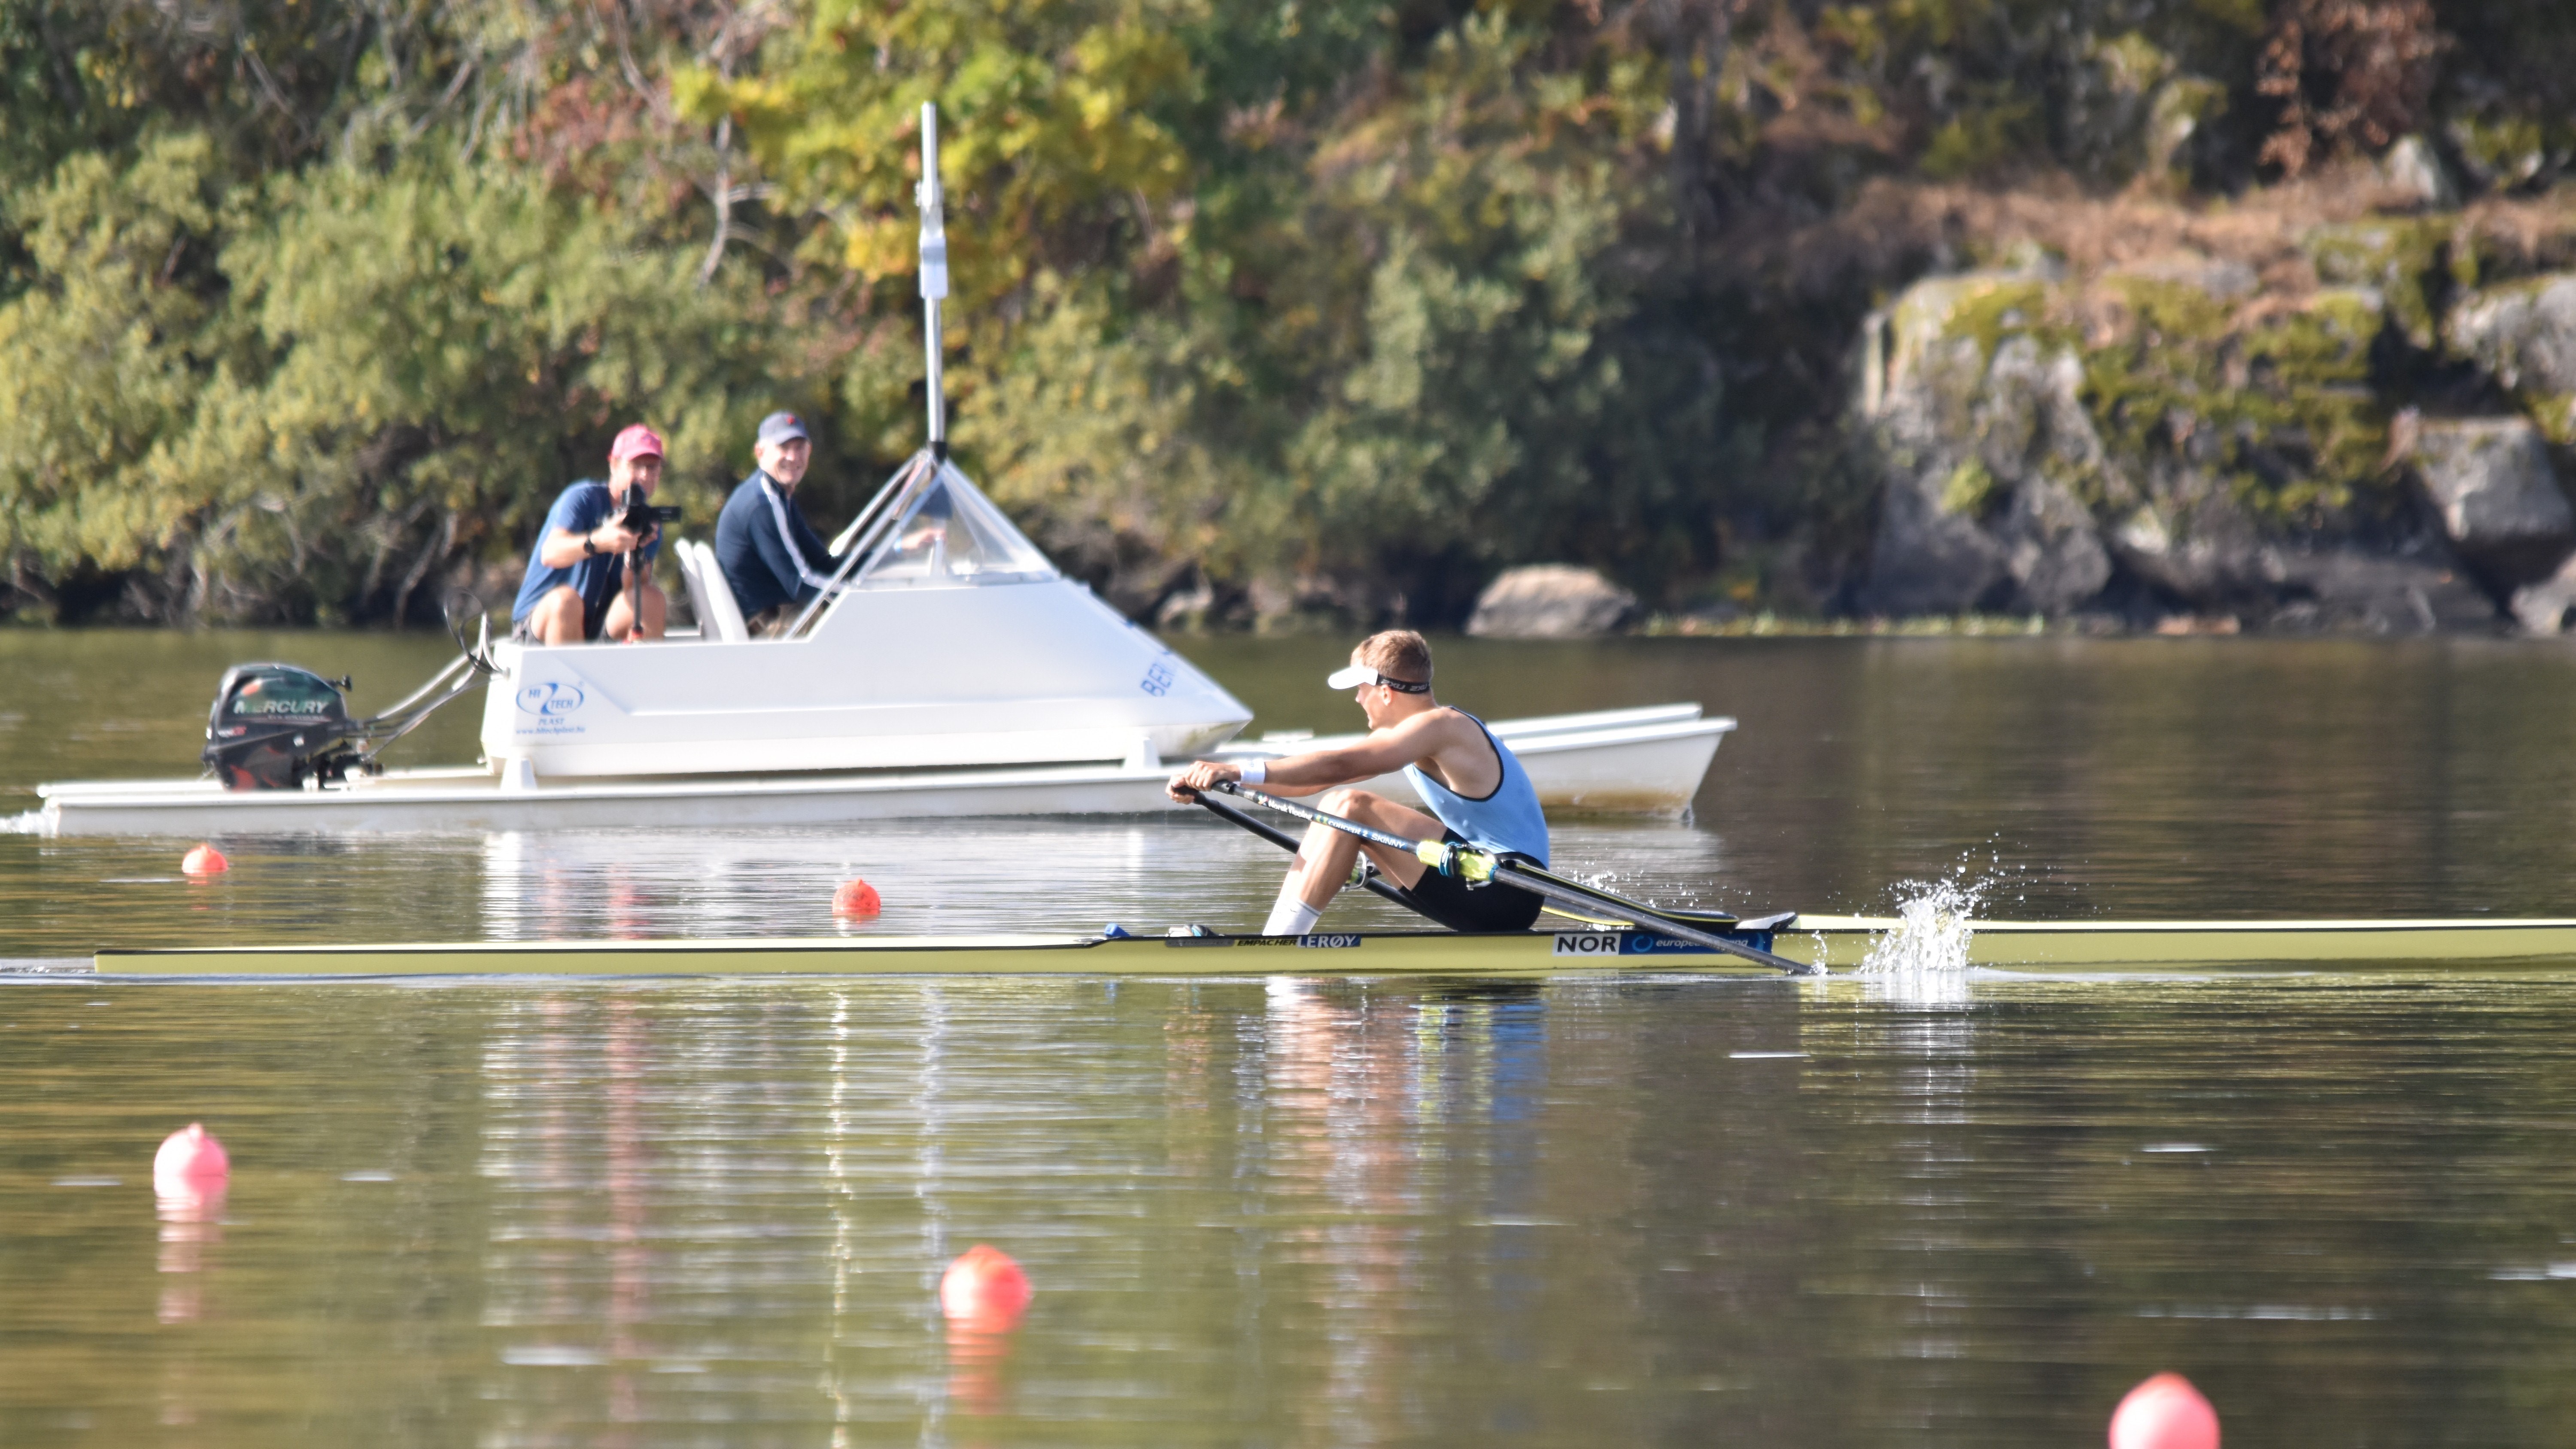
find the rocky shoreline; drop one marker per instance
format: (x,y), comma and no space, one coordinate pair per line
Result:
(2377,446)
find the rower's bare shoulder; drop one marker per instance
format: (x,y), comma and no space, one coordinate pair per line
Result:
(1455,724)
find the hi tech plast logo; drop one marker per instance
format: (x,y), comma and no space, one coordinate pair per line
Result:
(550,700)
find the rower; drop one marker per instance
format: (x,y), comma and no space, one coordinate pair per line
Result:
(1478,793)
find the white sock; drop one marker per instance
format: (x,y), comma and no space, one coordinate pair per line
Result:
(1290,917)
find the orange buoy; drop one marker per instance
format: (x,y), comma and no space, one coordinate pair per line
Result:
(984,1290)
(2165,1412)
(204,860)
(190,1163)
(856,898)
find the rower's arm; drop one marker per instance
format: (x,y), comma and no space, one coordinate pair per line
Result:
(1382,753)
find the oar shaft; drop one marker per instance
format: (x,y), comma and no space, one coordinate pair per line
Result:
(1539,886)
(1377,884)
(1662,925)
(1343,824)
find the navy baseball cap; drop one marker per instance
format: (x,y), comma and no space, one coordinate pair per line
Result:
(779,427)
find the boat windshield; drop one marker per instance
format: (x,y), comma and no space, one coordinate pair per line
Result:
(950,533)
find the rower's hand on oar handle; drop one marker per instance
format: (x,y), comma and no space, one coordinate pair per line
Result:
(1201,775)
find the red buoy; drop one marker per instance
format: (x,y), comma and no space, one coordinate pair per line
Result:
(190,1162)
(204,860)
(856,899)
(2165,1412)
(984,1290)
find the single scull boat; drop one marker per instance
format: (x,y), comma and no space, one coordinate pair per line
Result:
(1841,942)
(1609,932)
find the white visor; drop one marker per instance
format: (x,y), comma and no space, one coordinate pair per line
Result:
(1359,674)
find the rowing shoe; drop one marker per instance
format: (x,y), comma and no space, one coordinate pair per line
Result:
(1478,867)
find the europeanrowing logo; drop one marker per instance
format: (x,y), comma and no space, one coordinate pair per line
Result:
(550,700)
(1626,943)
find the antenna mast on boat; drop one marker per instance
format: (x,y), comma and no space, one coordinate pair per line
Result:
(934,271)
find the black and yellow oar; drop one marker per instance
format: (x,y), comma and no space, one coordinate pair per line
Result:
(1376,883)
(1478,867)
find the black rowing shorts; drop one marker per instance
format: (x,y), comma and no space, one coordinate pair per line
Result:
(1493,906)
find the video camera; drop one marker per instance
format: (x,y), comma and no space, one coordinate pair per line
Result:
(640,517)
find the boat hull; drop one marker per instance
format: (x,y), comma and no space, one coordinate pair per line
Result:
(1635,760)
(1842,941)
(1845,942)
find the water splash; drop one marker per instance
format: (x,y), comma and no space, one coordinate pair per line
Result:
(1933,931)
(31,822)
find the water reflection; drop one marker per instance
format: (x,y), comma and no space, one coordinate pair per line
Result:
(1292,1212)
(192,1222)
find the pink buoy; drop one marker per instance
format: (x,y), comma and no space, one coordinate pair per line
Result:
(856,899)
(2165,1412)
(204,860)
(190,1163)
(984,1290)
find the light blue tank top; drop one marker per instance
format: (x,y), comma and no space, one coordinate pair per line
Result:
(1507,820)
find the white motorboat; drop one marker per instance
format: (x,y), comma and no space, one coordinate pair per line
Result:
(1618,761)
(951,641)
(950,669)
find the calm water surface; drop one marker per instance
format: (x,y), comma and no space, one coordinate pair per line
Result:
(2084,777)
(1622,1211)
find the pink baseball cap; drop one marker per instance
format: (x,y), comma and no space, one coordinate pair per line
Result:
(635,441)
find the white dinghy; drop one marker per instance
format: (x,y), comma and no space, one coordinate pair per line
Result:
(950,669)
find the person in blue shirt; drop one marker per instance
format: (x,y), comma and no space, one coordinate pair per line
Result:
(588,574)
(1478,793)
(770,556)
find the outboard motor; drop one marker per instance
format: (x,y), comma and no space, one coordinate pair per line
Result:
(274,726)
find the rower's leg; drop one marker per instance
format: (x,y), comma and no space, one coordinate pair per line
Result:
(1324,860)
(1322,863)
(1323,866)
(1373,809)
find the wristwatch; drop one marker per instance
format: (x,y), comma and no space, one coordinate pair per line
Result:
(588,548)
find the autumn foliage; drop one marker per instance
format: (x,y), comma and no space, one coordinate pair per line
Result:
(1328,308)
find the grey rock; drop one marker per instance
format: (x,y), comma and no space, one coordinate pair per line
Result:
(1189,609)
(2193,541)
(2348,591)
(1978,511)
(2523,334)
(1916,374)
(2498,496)
(2053,550)
(1929,557)
(2549,606)
(1550,601)
(2413,168)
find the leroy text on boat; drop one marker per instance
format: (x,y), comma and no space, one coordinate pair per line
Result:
(1477,790)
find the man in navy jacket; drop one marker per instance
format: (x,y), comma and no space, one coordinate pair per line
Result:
(770,556)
